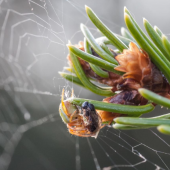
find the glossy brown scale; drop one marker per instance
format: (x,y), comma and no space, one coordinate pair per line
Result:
(126,97)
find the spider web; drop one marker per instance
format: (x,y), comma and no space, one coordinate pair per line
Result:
(33,35)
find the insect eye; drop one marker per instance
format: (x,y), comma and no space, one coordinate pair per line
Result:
(85,105)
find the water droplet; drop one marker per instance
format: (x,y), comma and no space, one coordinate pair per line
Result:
(27,116)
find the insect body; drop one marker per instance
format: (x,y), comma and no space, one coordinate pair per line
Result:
(84,122)
(91,119)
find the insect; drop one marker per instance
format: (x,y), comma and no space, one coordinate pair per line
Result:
(84,122)
(123,72)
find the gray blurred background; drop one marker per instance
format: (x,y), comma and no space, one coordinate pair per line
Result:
(32,51)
